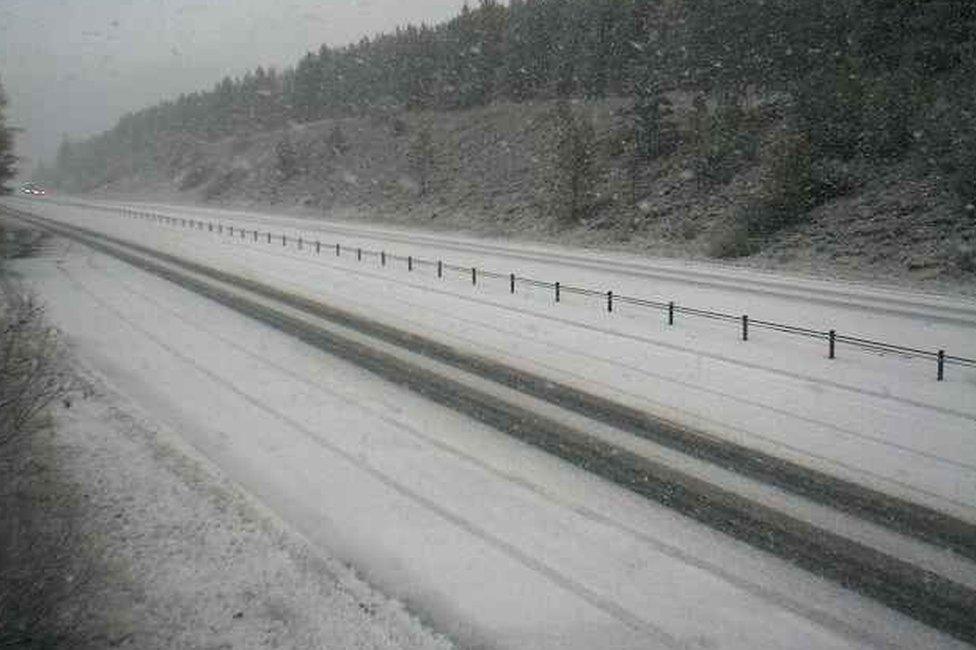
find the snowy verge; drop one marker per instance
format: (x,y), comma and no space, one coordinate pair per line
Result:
(196,562)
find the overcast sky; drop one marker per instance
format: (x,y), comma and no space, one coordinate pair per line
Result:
(75,66)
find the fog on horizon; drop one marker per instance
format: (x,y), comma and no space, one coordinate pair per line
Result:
(75,66)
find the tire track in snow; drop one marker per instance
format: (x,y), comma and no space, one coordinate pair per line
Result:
(608,607)
(855,390)
(657,376)
(906,517)
(918,593)
(776,598)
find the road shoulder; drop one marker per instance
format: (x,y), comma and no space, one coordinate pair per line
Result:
(190,560)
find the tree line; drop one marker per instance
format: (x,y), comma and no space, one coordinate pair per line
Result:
(8,161)
(865,77)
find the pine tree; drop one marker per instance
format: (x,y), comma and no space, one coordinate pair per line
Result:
(653,132)
(7,159)
(423,158)
(568,172)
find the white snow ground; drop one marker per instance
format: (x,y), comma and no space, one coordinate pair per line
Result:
(501,545)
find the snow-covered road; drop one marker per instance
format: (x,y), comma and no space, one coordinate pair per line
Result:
(499,544)
(878,419)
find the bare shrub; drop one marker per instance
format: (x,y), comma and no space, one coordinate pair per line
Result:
(197,176)
(964,257)
(222,183)
(337,141)
(731,239)
(399,126)
(40,568)
(32,370)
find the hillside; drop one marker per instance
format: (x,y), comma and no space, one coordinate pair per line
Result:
(484,177)
(832,138)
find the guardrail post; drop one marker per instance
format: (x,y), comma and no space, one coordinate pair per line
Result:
(557,292)
(284,240)
(299,243)
(359,254)
(338,250)
(609,301)
(474,276)
(318,247)
(255,235)
(511,282)
(410,262)
(382,258)
(941,375)
(243,234)
(745,327)
(440,269)
(832,337)
(671,313)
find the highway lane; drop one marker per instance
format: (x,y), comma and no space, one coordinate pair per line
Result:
(688,281)
(497,544)
(878,420)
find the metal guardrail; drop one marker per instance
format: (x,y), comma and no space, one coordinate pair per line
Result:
(671,308)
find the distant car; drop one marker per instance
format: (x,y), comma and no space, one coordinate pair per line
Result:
(32,189)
